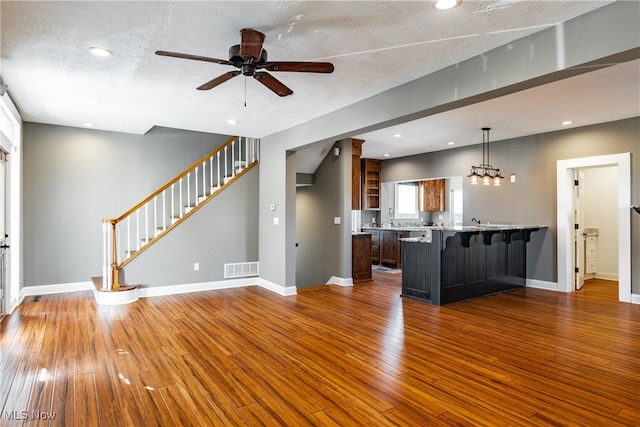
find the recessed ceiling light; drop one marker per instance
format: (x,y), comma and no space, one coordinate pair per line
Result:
(451,143)
(89,125)
(232,122)
(447,4)
(100,51)
(397,135)
(386,155)
(567,123)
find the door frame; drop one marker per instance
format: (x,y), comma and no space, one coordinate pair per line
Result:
(578,234)
(13,205)
(565,222)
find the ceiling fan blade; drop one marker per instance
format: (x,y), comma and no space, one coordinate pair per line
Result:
(194,57)
(300,67)
(218,80)
(251,43)
(272,83)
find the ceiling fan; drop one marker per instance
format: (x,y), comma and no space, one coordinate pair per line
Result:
(249,57)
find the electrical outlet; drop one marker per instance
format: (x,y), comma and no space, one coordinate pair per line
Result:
(196,266)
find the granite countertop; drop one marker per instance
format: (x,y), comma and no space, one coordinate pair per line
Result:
(472,228)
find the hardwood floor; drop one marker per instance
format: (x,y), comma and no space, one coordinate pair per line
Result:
(331,356)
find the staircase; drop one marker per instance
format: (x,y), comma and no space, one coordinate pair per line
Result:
(129,235)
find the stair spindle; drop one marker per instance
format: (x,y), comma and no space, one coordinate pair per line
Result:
(129,234)
(195,181)
(181,205)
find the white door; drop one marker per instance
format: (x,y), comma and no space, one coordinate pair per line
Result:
(578,219)
(3,235)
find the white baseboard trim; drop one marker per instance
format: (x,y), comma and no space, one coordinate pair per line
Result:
(156,291)
(125,297)
(607,276)
(285,291)
(542,284)
(55,289)
(635,299)
(340,281)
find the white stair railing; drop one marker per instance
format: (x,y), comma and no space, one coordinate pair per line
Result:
(124,238)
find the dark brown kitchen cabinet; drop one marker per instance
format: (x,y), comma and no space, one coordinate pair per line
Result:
(390,248)
(371,184)
(432,195)
(375,246)
(361,257)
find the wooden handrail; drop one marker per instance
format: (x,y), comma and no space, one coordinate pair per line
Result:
(173,181)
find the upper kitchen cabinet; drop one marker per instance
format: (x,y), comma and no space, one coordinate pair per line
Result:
(432,195)
(371,184)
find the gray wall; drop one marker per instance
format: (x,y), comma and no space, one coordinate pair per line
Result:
(315,208)
(320,253)
(73,178)
(532,198)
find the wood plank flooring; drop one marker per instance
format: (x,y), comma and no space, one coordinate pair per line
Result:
(331,356)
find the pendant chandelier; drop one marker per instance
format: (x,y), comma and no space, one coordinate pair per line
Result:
(485,173)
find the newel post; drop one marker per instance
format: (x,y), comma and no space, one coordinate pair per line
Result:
(114,257)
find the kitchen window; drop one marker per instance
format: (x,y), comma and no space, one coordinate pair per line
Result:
(406,200)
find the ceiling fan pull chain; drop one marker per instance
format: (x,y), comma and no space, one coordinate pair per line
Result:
(245,91)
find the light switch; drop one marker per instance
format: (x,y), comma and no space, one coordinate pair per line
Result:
(336,220)
(276,220)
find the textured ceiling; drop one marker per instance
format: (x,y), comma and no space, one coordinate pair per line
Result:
(374,46)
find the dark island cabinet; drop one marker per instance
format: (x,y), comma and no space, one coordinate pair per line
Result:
(458,265)
(421,266)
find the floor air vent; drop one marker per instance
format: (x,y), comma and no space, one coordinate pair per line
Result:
(240,269)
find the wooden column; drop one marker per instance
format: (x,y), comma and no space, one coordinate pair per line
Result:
(356,153)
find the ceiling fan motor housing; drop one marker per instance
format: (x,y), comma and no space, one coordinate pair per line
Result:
(234,56)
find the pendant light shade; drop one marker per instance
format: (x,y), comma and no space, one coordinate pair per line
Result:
(485,173)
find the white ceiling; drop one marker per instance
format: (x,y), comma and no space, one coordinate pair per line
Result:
(374,46)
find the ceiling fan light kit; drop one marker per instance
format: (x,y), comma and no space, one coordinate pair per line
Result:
(250,57)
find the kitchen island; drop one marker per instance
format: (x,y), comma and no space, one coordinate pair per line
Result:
(454,264)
